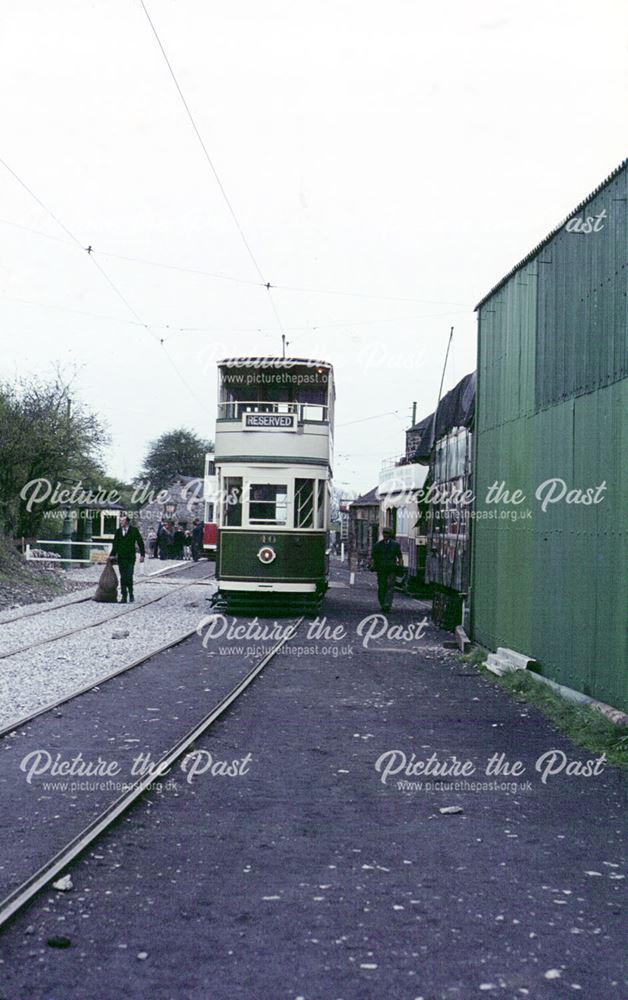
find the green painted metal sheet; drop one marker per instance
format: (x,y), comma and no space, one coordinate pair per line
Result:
(552,402)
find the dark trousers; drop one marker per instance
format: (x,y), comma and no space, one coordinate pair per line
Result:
(386,588)
(126,567)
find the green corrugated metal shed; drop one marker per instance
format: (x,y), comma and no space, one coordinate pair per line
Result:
(552,401)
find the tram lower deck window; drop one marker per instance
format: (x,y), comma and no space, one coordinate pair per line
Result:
(304,503)
(268,503)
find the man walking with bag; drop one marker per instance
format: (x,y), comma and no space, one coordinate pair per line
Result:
(386,558)
(125,539)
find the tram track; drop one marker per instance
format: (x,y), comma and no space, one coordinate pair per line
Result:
(92,685)
(45,610)
(154,577)
(96,682)
(42,877)
(137,606)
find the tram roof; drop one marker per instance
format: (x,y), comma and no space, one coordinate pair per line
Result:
(271,361)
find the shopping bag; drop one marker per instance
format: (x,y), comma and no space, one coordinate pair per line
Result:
(107,589)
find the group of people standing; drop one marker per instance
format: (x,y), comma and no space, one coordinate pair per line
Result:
(173,540)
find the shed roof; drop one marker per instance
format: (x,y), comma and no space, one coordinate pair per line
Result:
(456,409)
(367,499)
(550,236)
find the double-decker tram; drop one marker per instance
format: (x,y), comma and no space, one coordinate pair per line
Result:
(273,456)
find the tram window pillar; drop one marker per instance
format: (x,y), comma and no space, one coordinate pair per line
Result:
(320,503)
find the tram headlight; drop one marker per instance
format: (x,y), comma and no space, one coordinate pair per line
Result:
(266,555)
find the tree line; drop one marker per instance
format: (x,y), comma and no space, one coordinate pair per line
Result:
(47,432)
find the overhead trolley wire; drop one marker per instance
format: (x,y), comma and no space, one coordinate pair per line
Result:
(37,232)
(203,146)
(376,416)
(213,169)
(77,312)
(248,281)
(186,270)
(76,240)
(89,252)
(184,381)
(368,295)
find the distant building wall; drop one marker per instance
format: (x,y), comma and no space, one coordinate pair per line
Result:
(183,504)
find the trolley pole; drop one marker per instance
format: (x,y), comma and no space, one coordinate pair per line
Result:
(440,390)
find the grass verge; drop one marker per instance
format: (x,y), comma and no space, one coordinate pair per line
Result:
(585,726)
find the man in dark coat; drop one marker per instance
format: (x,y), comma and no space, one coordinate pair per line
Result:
(164,540)
(178,541)
(386,557)
(197,540)
(125,539)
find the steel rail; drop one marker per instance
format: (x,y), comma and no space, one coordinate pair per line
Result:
(90,686)
(84,628)
(147,578)
(22,895)
(43,611)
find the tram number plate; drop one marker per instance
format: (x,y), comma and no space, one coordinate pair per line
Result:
(266,539)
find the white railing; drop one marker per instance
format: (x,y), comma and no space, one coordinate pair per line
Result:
(392,463)
(304,411)
(52,557)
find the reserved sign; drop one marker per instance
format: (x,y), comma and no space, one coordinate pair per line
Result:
(269,421)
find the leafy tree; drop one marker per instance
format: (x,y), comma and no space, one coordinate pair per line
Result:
(339,496)
(45,435)
(175,453)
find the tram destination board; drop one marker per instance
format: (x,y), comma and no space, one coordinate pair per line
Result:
(269,421)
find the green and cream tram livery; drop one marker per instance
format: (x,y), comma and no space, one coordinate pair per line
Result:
(273,454)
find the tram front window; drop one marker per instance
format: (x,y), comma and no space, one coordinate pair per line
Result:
(233,502)
(303,503)
(268,504)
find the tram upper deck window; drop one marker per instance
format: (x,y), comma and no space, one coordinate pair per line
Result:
(299,389)
(268,504)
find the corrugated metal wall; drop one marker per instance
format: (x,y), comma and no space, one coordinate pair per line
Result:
(553,402)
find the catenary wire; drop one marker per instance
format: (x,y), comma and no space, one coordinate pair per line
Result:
(375,416)
(246,281)
(76,240)
(213,169)
(202,144)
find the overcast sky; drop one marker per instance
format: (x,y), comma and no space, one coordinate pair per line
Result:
(387,164)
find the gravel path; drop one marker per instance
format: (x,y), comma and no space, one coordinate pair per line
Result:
(31,679)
